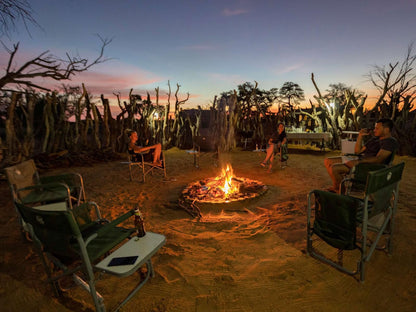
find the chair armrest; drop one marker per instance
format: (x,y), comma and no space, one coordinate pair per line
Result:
(71,179)
(361,170)
(107,227)
(48,192)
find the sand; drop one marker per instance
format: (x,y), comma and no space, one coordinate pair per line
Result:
(252,258)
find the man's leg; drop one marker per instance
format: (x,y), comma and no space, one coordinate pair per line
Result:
(338,172)
(329,162)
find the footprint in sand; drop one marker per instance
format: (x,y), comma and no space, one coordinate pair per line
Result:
(170,274)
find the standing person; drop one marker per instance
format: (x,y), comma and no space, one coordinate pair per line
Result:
(274,144)
(135,149)
(377,150)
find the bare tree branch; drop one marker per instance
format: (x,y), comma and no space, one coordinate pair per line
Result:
(397,79)
(48,66)
(12,12)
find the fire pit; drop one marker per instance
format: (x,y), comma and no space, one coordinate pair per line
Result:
(225,188)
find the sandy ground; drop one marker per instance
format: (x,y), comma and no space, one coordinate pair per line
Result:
(247,259)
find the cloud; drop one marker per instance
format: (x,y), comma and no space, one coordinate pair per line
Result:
(224,79)
(229,12)
(106,78)
(198,47)
(114,80)
(289,69)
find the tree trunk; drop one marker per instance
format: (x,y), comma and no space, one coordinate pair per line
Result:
(12,144)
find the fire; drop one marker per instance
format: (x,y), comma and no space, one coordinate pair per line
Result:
(229,187)
(223,188)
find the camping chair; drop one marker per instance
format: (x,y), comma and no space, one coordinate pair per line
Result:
(23,176)
(344,222)
(144,161)
(196,150)
(76,242)
(282,155)
(355,181)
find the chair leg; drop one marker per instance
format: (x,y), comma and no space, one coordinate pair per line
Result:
(90,287)
(143,172)
(131,177)
(149,274)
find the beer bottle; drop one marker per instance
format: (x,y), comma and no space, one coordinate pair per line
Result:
(139,223)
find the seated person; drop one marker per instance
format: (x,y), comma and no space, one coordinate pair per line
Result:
(274,144)
(377,150)
(133,148)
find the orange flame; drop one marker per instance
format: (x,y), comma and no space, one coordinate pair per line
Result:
(229,187)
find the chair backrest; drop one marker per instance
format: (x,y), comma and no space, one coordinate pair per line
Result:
(54,226)
(335,219)
(389,160)
(382,186)
(22,175)
(382,178)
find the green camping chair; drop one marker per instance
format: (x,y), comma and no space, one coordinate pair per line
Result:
(77,242)
(354,183)
(344,222)
(29,188)
(282,154)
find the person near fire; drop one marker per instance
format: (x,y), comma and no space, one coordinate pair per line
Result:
(133,148)
(273,145)
(376,150)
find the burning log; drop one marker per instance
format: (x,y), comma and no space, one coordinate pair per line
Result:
(190,207)
(223,189)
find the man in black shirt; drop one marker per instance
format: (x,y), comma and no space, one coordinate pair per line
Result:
(377,150)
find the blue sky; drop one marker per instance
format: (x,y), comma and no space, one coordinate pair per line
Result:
(209,46)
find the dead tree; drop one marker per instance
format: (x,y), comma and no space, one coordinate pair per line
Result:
(225,123)
(108,122)
(171,128)
(165,127)
(28,142)
(46,65)
(397,87)
(314,115)
(88,118)
(354,109)
(13,146)
(12,12)
(332,114)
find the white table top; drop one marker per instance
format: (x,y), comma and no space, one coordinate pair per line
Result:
(143,247)
(309,135)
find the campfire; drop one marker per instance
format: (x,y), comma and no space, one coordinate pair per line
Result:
(224,188)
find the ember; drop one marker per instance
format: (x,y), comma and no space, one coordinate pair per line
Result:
(223,189)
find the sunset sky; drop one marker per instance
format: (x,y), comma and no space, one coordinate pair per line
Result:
(210,47)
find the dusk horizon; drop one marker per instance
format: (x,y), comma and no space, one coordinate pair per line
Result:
(212,47)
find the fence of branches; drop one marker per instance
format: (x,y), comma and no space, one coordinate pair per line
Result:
(74,123)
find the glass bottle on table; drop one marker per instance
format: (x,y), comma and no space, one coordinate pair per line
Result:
(139,223)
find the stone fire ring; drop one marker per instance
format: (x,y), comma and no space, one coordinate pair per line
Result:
(198,192)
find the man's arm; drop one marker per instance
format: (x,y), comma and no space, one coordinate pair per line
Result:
(359,148)
(381,156)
